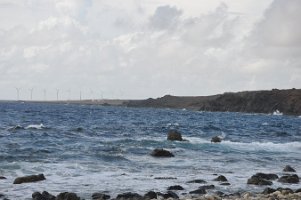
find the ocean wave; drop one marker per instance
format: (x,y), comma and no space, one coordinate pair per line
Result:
(35,126)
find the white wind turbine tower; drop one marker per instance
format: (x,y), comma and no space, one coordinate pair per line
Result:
(45,93)
(18,93)
(57,94)
(31,92)
(69,94)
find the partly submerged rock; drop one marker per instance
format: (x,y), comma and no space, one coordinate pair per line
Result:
(100,196)
(129,196)
(161,153)
(175,187)
(150,195)
(257,180)
(174,136)
(289,179)
(2,177)
(29,179)
(221,178)
(197,181)
(67,196)
(288,168)
(268,190)
(198,191)
(267,176)
(44,196)
(216,139)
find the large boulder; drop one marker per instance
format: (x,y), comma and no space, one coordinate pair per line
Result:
(44,196)
(257,180)
(29,179)
(216,139)
(267,176)
(289,179)
(174,136)
(288,168)
(161,153)
(221,178)
(150,195)
(67,196)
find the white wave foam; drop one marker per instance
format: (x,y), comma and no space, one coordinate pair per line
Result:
(35,126)
(277,113)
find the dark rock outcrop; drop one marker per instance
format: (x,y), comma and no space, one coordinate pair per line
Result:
(2,177)
(67,196)
(197,181)
(268,190)
(216,139)
(170,194)
(225,183)
(257,180)
(100,196)
(207,187)
(150,195)
(288,168)
(267,176)
(298,190)
(221,178)
(161,153)
(175,187)
(29,179)
(198,191)
(286,101)
(44,196)
(293,179)
(285,190)
(129,196)
(174,135)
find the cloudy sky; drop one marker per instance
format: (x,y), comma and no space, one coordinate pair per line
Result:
(147,48)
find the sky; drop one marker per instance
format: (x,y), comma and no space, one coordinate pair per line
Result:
(136,49)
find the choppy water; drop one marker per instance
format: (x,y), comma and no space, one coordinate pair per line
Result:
(86,149)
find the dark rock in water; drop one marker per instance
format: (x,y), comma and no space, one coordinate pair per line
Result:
(197,181)
(219,193)
(289,179)
(268,190)
(298,190)
(267,176)
(100,196)
(170,194)
(221,178)
(165,178)
(225,183)
(150,195)
(44,196)
(198,191)
(207,187)
(175,187)
(2,177)
(29,179)
(216,139)
(129,196)
(161,153)
(79,129)
(288,168)
(257,180)
(15,128)
(67,196)
(174,135)
(285,190)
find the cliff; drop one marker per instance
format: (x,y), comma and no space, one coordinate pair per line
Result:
(286,101)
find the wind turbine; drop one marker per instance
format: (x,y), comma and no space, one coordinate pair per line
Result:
(80,95)
(57,94)
(69,94)
(45,92)
(31,91)
(18,93)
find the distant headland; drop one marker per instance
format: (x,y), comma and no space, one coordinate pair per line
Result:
(287,101)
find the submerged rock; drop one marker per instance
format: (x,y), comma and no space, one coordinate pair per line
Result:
(216,139)
(67,196)
(161,153)
(44,196)
(100,196)
(257,180)
(174,136)
(289,179)
(288,168)
(197,181)
(175,187)
(29,179)
(221,178)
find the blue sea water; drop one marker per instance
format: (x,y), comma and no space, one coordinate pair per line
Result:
(90,148)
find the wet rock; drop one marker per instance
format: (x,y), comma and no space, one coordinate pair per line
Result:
(216,139)
(268,190)
(175,187)
(197,181)
(207,187)
(100,196)
(170,194)
(257,180)
(165,178)
(129,196)
(289,179)
(219,193)
(174,135)
(225,184)
(161,153)
(198,191)
(29,179)
(221,178)
(288,168)
(298,190)
(67,196)
(44,196)
(285,191)
(2,177)
(267,176)
(150,195)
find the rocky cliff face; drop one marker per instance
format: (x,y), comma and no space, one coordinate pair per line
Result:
(286,101)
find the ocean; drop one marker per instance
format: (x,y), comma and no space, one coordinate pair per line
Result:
(91,148)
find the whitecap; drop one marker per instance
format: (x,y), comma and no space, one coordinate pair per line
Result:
(265,124)
(277,113)
(35,126)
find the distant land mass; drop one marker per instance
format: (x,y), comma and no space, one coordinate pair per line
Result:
(266,101)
